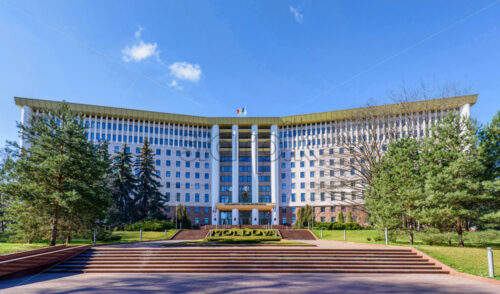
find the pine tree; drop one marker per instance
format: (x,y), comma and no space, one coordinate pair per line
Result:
(396,196)
(123,189)
(57,173)
(148,200)
(454,191)
(489,146)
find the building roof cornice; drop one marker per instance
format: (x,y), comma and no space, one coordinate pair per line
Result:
(353,113)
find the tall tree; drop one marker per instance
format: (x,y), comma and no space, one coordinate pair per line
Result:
(454,189)
(148,200)
(362,139)
(489,146)
(396,195)
(57,170)
(182,214)
(304,217)
(123,186)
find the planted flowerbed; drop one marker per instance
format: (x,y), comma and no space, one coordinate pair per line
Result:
(254,235)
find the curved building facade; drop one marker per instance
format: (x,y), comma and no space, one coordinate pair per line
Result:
(260,170)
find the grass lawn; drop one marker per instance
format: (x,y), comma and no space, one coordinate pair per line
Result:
(16,247)
(470,260)
(126,237)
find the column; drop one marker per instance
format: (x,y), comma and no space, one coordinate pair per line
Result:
(255,169)
(214,172)
(465,110)
(255,216)
(274,174)
(26,113)
(235,164)
(235,216)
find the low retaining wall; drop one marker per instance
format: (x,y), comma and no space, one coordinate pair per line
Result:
(33,261)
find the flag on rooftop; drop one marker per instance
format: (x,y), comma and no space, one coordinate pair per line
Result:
(242,111)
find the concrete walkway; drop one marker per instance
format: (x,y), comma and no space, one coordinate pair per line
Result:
(244,283)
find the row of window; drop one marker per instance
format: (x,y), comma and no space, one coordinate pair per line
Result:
(178,163)
(187,197)
(323,197)
(140,140)
(312,174)
(145,129)
(188,185)
(246,168)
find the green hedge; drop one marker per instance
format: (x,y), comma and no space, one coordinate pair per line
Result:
(242,233)
(152,226)
(337,226)
(238,239)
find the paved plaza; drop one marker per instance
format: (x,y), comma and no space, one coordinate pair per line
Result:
(246,283)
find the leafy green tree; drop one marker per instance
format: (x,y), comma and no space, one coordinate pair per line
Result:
(58,174)
(182,214)
(349,217)
(148,199)
(304,217)
(396,196)
(455,194)
(340,218)
(123,186)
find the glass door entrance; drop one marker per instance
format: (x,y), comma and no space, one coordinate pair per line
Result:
(245,217)
(225,217)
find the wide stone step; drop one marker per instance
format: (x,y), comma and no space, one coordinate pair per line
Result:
(200,255)
(251,270)
(242,259)
(261,265)
(234,250)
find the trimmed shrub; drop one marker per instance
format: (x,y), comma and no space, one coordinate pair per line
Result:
(434,239)
(153,226)
(337,226)
(323,226)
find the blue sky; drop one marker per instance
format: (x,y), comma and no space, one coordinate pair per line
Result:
(274,57)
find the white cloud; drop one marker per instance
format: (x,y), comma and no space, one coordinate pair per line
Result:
(296,14)
(140,51)
(185,71)
(175,85)
(138,33)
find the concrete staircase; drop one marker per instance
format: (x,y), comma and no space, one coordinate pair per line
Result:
(247,260)
(190,235)
(297,235)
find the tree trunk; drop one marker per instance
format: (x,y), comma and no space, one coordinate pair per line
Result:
(68,236)
(461,237)
(460,233)
(449,240)
(55,222)
(410,229)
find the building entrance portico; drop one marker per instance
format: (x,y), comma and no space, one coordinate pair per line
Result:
(244,213)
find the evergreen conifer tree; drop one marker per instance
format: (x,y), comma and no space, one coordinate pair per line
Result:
(123,186)
(148,200)
(396,197)
(58,174)
(455,194)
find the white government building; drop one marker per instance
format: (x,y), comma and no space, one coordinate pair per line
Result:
(257,170)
